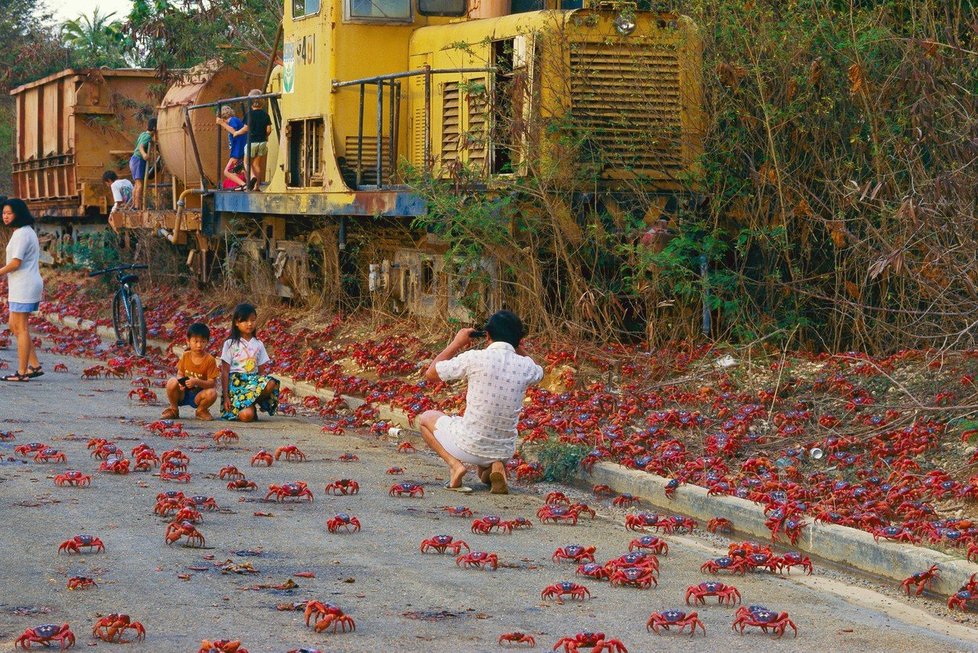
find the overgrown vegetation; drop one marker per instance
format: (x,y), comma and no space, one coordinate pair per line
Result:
(834,203)
(560,461)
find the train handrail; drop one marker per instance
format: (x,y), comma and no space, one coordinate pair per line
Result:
(392,80)
(244,99)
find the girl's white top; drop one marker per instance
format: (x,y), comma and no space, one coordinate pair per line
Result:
(26,285)
(244,355)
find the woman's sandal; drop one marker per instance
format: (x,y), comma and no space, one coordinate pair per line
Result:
(34,372)
(16,378)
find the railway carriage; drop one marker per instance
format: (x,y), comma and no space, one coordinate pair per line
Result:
(370,94)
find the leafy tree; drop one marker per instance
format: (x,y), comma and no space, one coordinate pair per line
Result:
(169,34)
(31,46)
(95,40)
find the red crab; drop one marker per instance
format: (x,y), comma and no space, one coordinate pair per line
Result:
(242,485)
(184,528)
(763,619)
(516,639)
(348,458)
(60,367)
(920,580)
(574,553)
(641,520)
(479,559)
(394,471)
(565,588)
(170,474)
(45,635)
(593,570)
(94,372)
(75,544)
(226,436)
(652,543)
(261,457)
(291,452)
(725,563)
(326,615)
(557,498)
(961,598)
(897,533)
(442,543)
(294,490)
(29,449)
(188,514)
(794,559)
(457,511)
(602,490)
(342,520)
(230,471)
(557,514)
(72,478)
(640,577)
(724,593)
(175,459)
(114,465)
(719,525)
(633,559)
(485,525)
(49,454)
(221,646)
(625,499)
(202,502)
(113,627)
(342,486)
(409,489)
(81,582)
(406,447)
(668,618)
(144,395)
(595,641)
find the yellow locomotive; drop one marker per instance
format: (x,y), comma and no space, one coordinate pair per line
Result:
(370,92)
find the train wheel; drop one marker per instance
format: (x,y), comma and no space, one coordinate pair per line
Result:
(323,264)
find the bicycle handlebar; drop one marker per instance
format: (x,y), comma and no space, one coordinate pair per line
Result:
(132,266)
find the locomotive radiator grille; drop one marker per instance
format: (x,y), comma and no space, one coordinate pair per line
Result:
(629,99)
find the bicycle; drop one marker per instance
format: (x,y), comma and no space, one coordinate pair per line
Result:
(128,318)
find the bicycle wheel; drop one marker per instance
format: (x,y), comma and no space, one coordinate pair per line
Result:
(137,324)
(120,320)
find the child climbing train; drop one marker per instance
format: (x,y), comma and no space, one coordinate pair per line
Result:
(243,363)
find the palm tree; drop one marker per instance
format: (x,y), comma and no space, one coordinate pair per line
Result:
(96,40)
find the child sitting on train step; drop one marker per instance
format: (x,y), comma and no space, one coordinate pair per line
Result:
(195,384)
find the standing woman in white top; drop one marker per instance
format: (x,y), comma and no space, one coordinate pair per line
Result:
(244,363)
(24,285)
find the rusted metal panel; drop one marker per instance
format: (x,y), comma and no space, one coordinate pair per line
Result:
(387,203)
(71,127)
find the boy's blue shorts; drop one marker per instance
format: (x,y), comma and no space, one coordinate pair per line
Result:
(137,166)
(189,397)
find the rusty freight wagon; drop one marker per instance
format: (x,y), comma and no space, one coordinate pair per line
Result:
(71,127)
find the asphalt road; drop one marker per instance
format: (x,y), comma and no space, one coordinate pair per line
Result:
(400,599)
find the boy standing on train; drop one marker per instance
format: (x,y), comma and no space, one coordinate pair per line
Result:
(137,163)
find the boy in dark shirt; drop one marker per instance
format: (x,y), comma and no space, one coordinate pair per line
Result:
(259,127)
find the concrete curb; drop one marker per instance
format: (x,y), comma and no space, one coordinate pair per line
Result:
(840,544)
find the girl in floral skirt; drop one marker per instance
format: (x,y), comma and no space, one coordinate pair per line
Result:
(243,360)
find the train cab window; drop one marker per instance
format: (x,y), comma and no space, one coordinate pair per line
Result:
(442,7)
(386,11)
(302,8)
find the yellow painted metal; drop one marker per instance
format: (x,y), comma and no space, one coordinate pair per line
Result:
(572,62)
